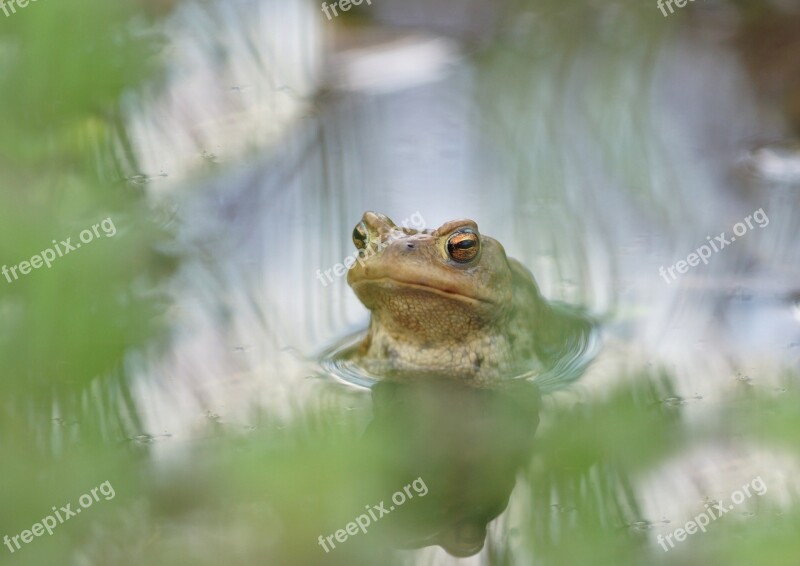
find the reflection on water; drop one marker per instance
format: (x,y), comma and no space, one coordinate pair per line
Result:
(468,445)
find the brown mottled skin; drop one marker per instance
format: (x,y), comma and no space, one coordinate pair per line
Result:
(475,321)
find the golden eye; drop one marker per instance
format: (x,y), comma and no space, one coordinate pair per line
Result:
(360,236)
(463,246)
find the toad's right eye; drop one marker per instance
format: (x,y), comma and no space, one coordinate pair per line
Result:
(464,246)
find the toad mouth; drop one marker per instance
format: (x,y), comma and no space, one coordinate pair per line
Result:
(442,292)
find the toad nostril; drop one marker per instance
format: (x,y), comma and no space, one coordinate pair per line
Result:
(410,246)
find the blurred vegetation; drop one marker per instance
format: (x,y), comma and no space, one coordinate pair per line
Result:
(268,494)
(65,401)
(64,161)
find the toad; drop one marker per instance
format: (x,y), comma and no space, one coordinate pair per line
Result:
(449,303)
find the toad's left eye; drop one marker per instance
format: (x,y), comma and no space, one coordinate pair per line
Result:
(463,246)
(360,236)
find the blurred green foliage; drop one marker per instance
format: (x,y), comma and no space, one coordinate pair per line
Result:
(64,69)
(64,398)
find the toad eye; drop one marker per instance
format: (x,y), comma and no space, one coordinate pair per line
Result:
(463,246)
(360,236)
